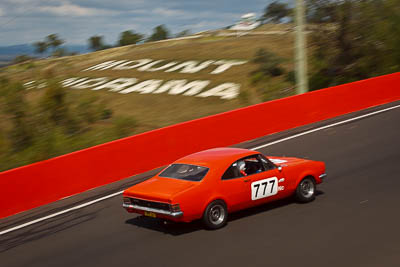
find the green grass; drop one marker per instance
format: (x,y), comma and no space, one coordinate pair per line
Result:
(144,112)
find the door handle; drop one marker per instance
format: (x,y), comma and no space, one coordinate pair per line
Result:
(246,180)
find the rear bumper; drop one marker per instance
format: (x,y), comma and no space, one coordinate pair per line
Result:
(139,209)
(323,176)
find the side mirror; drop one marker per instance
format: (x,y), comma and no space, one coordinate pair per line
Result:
(280,168)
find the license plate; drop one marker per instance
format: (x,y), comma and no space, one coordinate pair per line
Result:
(150,214)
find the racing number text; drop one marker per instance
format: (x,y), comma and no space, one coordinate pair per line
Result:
(264,188)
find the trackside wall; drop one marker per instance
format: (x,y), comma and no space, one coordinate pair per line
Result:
(50,180)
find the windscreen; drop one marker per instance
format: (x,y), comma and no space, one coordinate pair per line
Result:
(185,172)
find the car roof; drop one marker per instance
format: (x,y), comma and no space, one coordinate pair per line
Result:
(216,156)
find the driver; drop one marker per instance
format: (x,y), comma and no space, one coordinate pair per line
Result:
(242,167)
(183,169)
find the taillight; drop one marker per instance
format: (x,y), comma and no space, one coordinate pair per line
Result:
(175,208)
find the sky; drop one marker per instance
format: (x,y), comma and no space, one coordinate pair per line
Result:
(28,21)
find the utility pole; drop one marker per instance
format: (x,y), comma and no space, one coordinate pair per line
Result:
(300,50)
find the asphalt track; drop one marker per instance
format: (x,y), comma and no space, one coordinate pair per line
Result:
(354,221)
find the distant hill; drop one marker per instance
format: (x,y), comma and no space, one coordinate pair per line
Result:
(13,50)
(132,89)
(28,49)
(177,69)
(8,53)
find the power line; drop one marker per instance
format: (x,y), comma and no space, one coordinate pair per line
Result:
(2,26)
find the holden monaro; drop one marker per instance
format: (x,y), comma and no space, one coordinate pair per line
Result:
(210,184)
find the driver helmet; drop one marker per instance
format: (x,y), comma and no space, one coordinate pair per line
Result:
(183,169)
(241,165)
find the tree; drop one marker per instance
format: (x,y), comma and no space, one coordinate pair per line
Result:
(129,38)
(183,33)
(60,52)
(322,11)
(276,11)
(22,58)
(53,103)
(96,43)
(53,41)
(269,63)
(159,33)
(40,47)
(16,107)
(364,43)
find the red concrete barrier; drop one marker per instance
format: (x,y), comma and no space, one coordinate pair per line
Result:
(47,181)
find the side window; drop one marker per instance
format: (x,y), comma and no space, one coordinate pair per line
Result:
(246,166)
(268,165)
(253,165)
(231,172)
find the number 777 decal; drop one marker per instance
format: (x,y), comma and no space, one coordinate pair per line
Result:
(264,188)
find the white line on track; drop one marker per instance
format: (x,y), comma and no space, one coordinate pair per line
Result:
(254,148)
(325,127)
(60,212)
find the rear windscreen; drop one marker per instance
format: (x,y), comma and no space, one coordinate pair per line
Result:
(185,172)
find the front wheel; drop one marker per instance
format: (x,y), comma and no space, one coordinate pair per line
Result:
(305,191)
(215,215)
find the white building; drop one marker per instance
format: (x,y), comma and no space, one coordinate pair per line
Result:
(247,22)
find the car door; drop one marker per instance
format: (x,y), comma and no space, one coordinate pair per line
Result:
(265,181)
(235,189)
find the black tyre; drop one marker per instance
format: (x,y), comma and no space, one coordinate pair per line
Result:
(215,215)
(305,191)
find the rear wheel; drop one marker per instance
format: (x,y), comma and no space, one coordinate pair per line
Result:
(215,215)
(305,191)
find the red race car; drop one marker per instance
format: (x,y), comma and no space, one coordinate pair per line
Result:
(210,184)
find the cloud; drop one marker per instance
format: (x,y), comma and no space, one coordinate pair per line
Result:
(168,12)
(68,9)
(76,20)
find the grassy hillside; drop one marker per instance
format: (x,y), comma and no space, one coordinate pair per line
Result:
(133,113)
